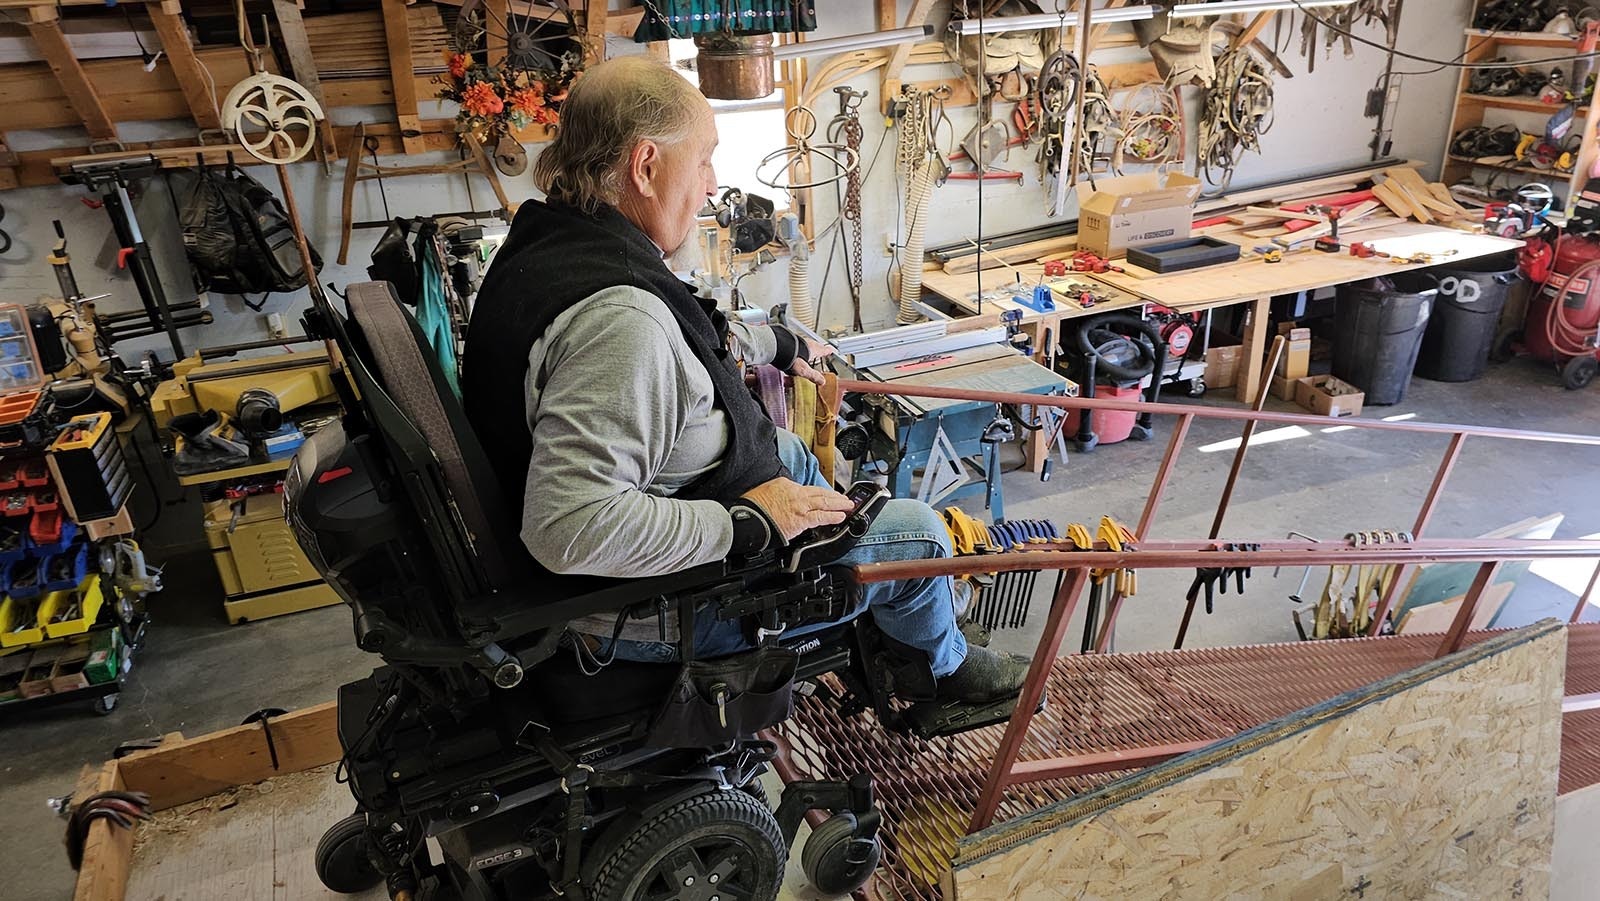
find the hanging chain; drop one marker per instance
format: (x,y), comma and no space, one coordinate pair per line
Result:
(848,131)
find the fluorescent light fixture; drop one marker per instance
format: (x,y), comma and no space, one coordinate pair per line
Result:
(853,42)
(1228,7)
(997,24)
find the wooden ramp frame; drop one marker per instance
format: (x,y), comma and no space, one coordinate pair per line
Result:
(1437,782)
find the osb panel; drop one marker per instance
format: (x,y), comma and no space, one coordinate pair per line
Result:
(1439,783)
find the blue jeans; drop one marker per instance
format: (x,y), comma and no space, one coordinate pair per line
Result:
(916,612)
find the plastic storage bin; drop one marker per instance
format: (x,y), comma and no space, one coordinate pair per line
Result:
(88,598)
(1379,327)
(1461,329)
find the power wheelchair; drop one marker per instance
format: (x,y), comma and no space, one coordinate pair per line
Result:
(495,733)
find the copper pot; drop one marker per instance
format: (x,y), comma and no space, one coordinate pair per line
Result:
(735,67)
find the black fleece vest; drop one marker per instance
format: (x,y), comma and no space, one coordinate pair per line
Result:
(554,257)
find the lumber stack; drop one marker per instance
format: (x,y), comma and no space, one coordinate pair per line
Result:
(352,45)
(1277,212)
(1407,195)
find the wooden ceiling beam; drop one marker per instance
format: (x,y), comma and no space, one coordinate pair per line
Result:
(900,54)
(595,13)
(168,20)
(303,66)
(397,32)
(1254,29)
(494,29)
(45,29)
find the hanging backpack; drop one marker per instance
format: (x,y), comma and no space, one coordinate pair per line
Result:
(237,235)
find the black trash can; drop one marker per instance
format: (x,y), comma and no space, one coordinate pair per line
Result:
(1461,330)
(1379,326)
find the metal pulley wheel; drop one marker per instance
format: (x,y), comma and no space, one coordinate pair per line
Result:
(510,157)
(273,118)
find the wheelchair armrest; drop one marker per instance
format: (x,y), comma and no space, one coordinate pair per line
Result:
(516,615)
(756,585)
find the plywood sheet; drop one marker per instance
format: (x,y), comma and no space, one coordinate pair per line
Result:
(1577,867)
(1441,616)
(255,841)
(1437,783)
(1440,583)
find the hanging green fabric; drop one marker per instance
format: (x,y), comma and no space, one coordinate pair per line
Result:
(433,313)
(668,19)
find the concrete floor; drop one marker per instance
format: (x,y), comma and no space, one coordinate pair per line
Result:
(199,674)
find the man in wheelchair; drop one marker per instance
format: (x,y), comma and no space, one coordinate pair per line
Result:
(574,684)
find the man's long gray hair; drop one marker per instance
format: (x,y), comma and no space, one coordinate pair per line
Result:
(609,110)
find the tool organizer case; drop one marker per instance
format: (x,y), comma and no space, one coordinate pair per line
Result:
(1176,256)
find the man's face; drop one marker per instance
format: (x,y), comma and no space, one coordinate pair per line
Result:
(679,183)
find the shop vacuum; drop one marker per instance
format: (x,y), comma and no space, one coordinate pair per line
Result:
(1111,357)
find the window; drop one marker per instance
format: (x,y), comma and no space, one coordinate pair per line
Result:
(747,130)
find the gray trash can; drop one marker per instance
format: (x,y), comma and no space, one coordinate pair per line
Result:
(1461,330)
(1379,327)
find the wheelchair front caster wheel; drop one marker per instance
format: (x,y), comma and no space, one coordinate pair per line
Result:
(835,861)
(341,858)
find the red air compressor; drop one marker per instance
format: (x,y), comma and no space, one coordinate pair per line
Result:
(1564,314)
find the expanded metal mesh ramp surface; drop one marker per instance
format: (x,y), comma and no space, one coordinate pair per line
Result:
(1099,703)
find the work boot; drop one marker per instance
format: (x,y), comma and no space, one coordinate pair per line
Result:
(985,676)
(977,634)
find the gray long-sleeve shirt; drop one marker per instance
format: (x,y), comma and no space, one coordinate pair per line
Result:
(622,417)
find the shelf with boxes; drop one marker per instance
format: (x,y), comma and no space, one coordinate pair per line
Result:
(68,630)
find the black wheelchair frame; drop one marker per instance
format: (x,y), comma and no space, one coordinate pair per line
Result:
(535,775)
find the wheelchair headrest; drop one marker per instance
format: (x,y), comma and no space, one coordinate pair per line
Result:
(392,347)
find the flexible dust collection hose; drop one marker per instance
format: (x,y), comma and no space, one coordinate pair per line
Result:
(918,196)
(800,306)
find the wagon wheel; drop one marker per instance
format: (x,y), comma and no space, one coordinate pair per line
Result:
(539,35)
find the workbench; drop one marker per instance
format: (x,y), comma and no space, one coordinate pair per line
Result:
(918,420)
(1249,280)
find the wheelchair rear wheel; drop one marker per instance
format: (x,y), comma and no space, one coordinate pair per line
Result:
(713,846)
(341,859)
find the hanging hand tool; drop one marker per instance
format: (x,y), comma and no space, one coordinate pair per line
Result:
(1204,577)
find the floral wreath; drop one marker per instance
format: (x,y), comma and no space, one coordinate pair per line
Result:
(496,100)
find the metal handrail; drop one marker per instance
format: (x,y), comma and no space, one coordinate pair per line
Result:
(1076,565)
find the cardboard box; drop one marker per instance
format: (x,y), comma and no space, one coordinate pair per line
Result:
(1296,360)
(1222,364)
(1329,396)
(1286,389)
(1149,208)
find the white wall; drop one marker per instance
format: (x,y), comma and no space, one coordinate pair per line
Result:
(1319,127)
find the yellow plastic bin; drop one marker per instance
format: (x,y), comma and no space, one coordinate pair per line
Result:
(11,615)
(89,598)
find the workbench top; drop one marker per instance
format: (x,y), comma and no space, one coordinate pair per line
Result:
(988,367)
(1251,277)
(1247,279)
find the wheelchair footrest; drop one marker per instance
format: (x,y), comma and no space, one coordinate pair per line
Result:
(932,719)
